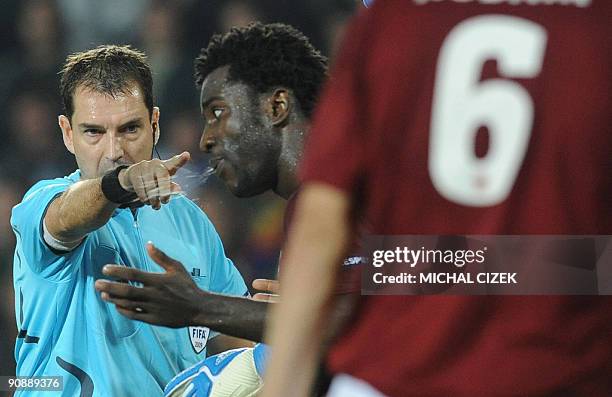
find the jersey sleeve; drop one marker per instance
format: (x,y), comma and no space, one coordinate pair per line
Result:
(27,223)
(334,151)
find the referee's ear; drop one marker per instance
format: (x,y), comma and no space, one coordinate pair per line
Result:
(64,124)
(278,107)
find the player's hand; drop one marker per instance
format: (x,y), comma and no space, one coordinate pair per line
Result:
(171,299)
(270,288)
(151,180)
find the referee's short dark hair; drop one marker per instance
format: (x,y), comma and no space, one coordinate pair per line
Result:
(265,56)
(108,69)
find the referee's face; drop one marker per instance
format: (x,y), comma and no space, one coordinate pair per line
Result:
(107,131)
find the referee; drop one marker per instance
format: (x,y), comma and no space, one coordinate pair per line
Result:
(68,228)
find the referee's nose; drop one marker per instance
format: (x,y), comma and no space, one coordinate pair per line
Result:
(114,146)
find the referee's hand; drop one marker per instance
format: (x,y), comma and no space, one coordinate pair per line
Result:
(151,180)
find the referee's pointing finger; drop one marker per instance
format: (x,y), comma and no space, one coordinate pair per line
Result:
(176,162)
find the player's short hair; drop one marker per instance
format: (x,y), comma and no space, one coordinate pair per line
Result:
(264,56)
(108,69)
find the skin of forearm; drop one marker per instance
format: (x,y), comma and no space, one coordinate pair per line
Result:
(245,318)
(316,244)
(235,316)
(81,209)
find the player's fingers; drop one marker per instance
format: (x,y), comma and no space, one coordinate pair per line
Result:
(261,297)
(141,306)
(122,290)
(136,315)
(124,303)
(176,162)
(106,287)
(162,259)
(131,274)
(271,286)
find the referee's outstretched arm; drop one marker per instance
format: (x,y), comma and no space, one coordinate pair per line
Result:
(86,207)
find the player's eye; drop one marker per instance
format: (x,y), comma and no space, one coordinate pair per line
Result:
(217,112)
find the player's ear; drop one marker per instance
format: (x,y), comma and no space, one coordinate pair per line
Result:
(67,134)
(155,124)
(278,106)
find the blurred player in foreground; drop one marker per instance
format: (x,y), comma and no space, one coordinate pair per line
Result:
(68,228)
(395,140)
(258,85)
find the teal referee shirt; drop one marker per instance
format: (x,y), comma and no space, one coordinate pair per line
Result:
(66,330)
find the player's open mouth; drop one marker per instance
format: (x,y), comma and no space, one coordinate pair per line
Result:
(216,164)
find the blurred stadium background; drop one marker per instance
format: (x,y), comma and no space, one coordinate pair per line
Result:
(36,36)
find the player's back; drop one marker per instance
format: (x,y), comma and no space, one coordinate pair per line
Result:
(496,119)
(491,119)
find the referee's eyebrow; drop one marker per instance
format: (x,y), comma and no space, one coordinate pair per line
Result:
(92,126)
(136,120)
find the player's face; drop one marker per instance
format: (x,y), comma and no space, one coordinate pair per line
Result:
(107,131)
(244,146)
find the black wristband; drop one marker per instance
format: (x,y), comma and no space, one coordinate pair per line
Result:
(112,189)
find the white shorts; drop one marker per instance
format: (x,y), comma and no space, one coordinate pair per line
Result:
(347,386)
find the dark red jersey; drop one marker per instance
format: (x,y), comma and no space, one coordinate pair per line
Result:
(460,117)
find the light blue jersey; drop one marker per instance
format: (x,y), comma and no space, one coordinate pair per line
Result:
(65,328)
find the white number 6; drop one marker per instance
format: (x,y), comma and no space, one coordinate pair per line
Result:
(462,104)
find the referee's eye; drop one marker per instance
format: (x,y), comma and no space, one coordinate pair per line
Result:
(92,132)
